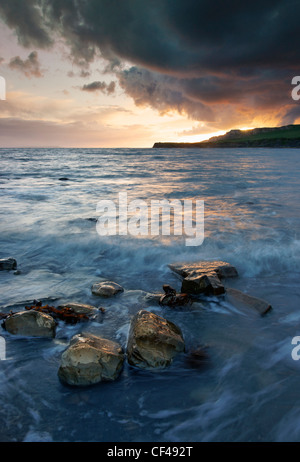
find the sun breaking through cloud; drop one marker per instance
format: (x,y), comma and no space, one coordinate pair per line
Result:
(221,64)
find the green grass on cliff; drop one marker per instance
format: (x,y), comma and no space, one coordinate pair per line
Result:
(289,132)
(286,136)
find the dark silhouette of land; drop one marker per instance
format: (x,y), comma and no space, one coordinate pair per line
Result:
(287,136)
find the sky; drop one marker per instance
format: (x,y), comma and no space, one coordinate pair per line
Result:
(129,73)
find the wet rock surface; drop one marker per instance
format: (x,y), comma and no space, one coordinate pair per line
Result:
(223,269)
(106,289)
(31,324)
(90,359)
(8,264)
(172,299)
(153,341)
(80,308)
(205,284)
(72,313)
(242,300)
(204,277)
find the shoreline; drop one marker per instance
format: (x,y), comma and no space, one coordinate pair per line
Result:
(278,144)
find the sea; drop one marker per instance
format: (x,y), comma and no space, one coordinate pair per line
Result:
(246,389)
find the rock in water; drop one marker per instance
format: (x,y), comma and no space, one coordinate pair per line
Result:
(7,264)
(80,308)
(153,341)
(89,360)
(204,276)
(197,358)
(31,324)
(106,288)
(205,284)
(223,269)
(170,298)
(242,300)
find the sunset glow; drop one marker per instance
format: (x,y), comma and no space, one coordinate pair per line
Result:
(63,92)
(150,223)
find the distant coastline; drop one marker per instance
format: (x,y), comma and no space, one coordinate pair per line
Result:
(287,136)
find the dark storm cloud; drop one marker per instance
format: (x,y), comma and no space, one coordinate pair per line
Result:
(163,93)
(185,55)
(26,19)
(29,67)
(172,35)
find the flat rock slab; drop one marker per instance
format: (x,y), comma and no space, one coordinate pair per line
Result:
(106,288)
(221,268)
(80,308)
(31,324)
(153,341)
(8,264)
(240,300)
(90,359)
(204,277)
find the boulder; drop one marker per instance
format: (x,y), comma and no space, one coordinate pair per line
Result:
(31,324)
(90,359)
(241,300)
(204,276)
(153,341)
(80,308)
(7,264)
(205,284)
(106,288)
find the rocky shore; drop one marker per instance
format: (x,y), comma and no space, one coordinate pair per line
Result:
(153,341)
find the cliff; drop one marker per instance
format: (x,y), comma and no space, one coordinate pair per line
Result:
(287,136)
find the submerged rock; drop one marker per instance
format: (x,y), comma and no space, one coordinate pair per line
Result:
(242,300)
(90,359)
(31,324)
(204,277)
(152,297)
(197,358)
(8,264)
(106,288)
(72,313)
(80,308)
(153,341)
(92,219)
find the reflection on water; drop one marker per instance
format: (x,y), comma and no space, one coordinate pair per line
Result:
(247,390)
